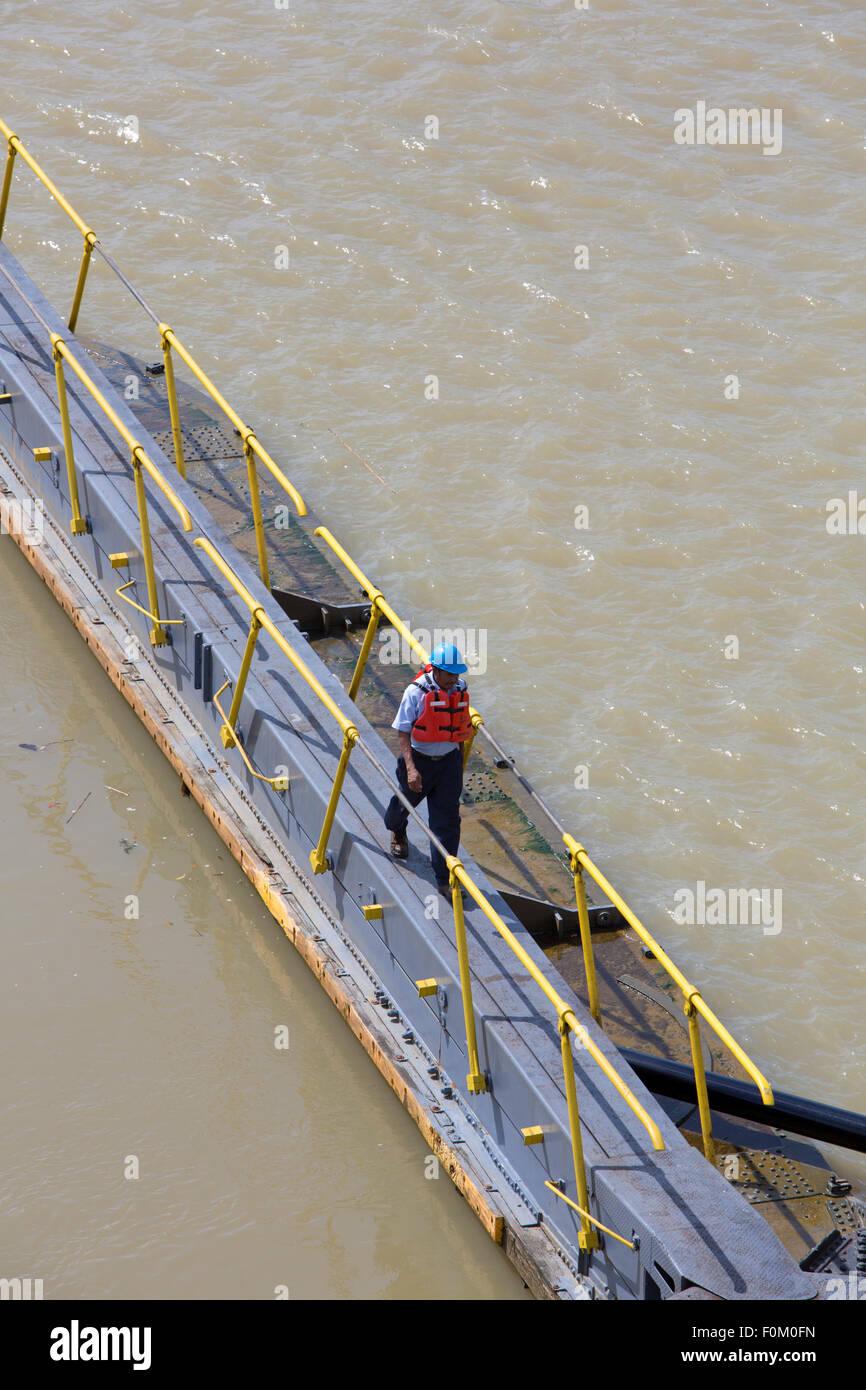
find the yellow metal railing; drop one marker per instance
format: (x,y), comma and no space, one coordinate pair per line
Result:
(231,740)
(164,622)
(580,861)
(694,1004)
(318,858)
(169,340)
(252,448)
(14,147)
(608,1232)
(568,1024)
(141,462)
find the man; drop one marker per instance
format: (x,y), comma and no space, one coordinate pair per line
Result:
(433,724)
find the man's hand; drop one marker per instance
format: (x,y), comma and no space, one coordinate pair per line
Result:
(413,776)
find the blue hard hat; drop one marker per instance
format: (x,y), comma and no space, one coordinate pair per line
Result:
(446,657)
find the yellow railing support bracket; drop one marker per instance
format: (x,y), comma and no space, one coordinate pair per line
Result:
(608,1232)
(372,911)
(533,1134)
(228,728)
(230,740)
(159,624)
(426,988)
(588,1239)
(157,636)
(43,453)
(256,506)
(119,560)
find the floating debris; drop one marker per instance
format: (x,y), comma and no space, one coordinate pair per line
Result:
(77,809)
(37,747)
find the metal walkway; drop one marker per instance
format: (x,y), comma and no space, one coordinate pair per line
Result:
(585,1156)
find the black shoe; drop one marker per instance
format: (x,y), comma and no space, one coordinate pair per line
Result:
(399,846)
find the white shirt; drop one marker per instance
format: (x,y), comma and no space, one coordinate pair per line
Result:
(410,708)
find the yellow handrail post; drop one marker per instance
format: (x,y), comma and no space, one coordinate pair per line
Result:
(89,238)
(151,468)
(585,932)
(366,644)
(227,730)
(274,632)
(177,436)
(256,503)
(157,632)
(676,975)
(588,1237)
(475,1080)
(467,747)
(77,524)
(247,435)
(7,179)
(318,856)
(370,589)
(561,1008)
(700,1080)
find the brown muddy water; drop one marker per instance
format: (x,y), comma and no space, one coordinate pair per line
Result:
(608,386)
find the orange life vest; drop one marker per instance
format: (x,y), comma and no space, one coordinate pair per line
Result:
(445,716)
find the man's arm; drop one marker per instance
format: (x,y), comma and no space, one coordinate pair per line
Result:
(413,776)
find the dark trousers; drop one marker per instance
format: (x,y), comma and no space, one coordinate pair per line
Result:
(441,784)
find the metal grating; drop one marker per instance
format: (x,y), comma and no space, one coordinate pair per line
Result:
(481,786)
(771,1177)
(845,1214)
(201,443)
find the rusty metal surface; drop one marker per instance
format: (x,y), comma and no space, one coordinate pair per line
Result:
(792,1197)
